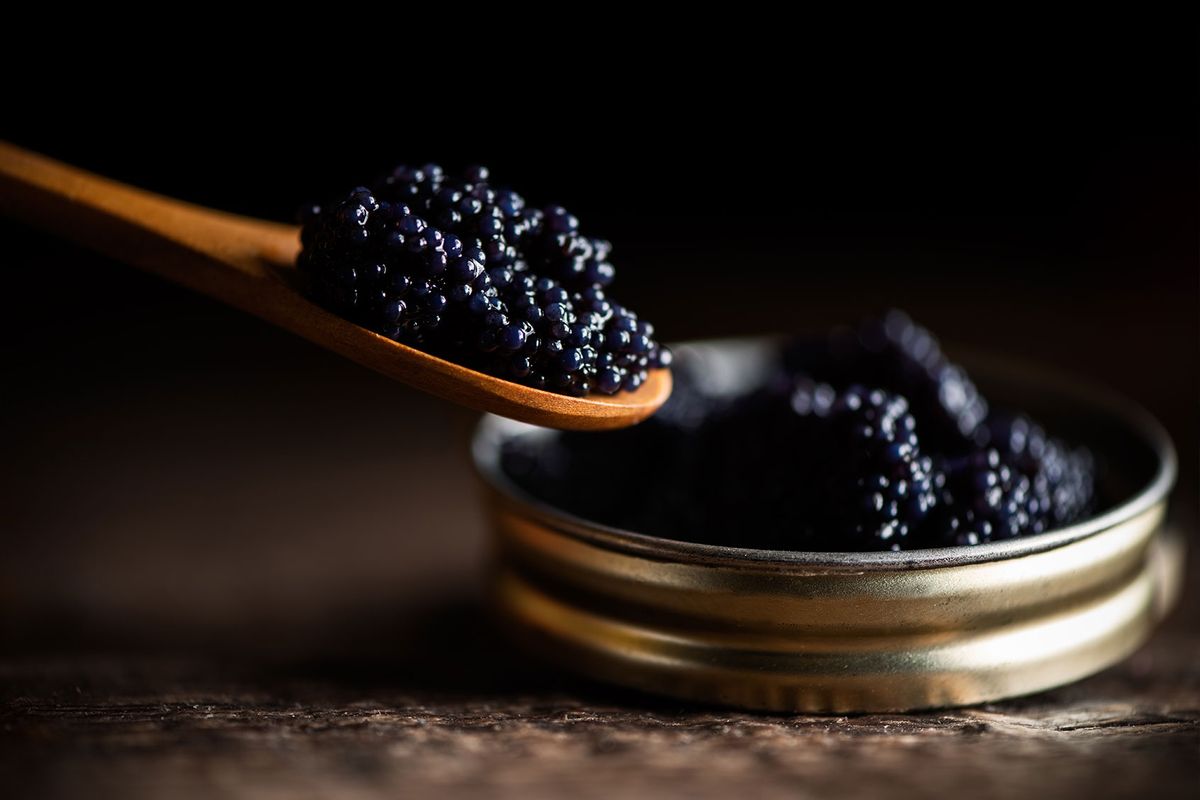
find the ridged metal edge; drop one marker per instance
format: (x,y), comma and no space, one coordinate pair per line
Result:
(493,430)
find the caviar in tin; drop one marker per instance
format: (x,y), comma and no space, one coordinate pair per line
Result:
(870,439)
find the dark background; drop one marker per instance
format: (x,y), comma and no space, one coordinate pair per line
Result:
(1031,192)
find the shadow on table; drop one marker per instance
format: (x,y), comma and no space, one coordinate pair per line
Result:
(454,649)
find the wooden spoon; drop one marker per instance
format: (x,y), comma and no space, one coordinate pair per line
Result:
(249,263)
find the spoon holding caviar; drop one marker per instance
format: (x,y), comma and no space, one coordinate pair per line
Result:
(250,264)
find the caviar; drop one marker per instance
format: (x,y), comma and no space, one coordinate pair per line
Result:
(466,270)
(894,353)
(870,439)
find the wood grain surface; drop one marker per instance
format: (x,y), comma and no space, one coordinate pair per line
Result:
(488,725)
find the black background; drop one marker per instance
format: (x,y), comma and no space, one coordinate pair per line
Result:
(920,169)
(1017,186)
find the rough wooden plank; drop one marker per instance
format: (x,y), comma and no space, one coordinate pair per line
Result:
(150,727)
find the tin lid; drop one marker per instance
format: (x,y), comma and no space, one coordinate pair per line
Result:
(846,632)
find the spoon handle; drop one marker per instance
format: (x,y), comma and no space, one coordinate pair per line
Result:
(222,255)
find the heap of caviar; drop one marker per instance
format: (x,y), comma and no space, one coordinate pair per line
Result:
(868,440)
(466,270)
(832,466)
(895,353)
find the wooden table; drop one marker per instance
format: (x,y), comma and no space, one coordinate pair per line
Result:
(236,566)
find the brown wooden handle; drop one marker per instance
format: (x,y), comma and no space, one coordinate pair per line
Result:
(221,255)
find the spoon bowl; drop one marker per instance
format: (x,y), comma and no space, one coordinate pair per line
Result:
(250,264)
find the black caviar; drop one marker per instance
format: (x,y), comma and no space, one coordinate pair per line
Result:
(870,439)
(464,269)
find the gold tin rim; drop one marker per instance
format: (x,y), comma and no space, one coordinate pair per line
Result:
(492,430)
(839,632)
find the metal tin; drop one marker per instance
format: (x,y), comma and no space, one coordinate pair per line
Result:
(847,632)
